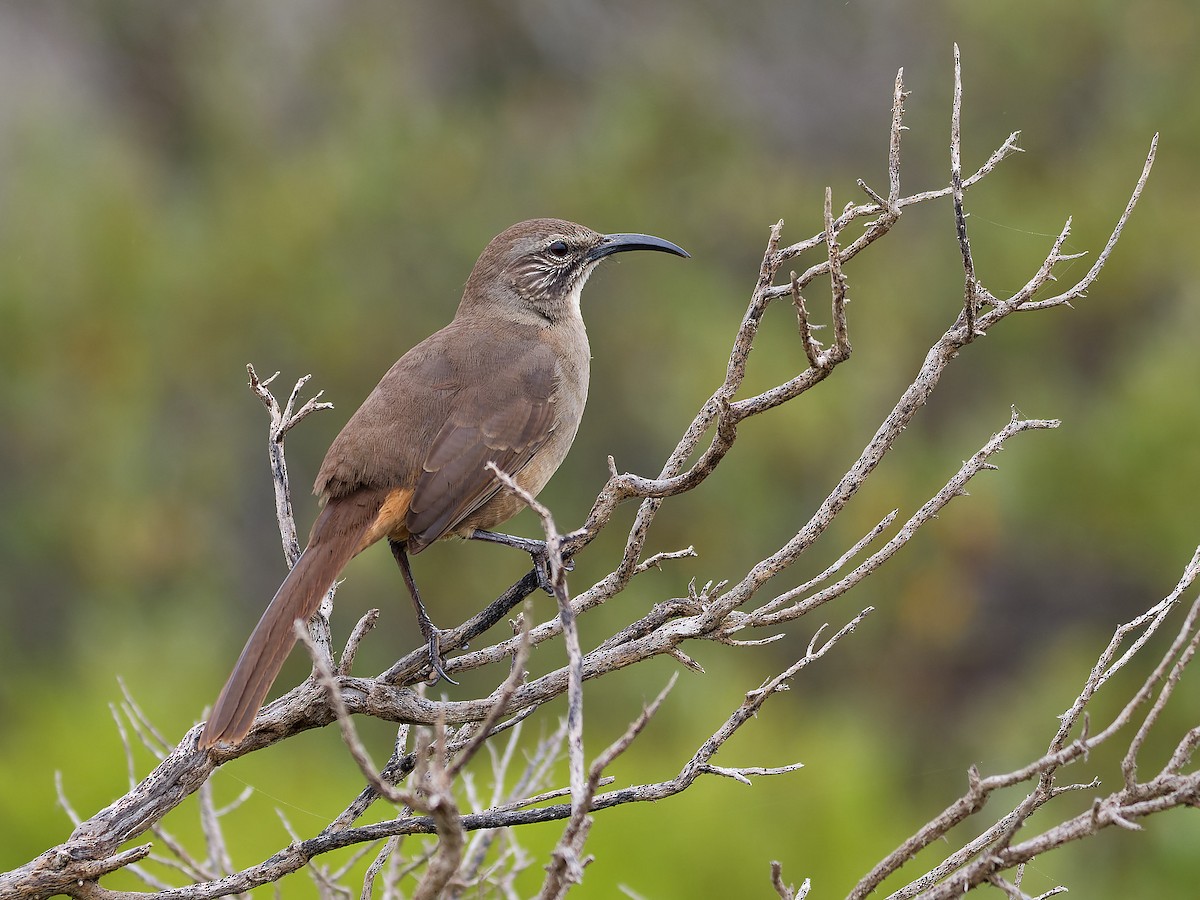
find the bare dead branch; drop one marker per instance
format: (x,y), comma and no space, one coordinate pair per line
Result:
(992,852)
(365,624)
(449,734)
(566,616)
(282,421)
(349,735)
(970,291)
(787,891)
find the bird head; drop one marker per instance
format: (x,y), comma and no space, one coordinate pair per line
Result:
(540,266)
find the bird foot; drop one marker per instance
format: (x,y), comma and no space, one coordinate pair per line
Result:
(541,565)
(437,661)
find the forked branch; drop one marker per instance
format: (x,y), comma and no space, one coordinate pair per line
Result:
(430,775)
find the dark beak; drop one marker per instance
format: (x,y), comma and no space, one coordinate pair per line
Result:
(616,243)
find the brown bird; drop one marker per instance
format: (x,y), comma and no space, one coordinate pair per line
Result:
(505,382)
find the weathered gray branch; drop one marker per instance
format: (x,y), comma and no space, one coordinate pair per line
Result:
(450,733)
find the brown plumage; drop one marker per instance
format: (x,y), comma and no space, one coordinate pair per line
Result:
(505,382)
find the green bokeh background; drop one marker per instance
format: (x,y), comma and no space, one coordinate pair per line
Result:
(185,188)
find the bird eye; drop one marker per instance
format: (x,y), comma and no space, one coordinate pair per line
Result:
(558,248)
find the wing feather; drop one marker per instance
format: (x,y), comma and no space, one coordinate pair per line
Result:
(502,418)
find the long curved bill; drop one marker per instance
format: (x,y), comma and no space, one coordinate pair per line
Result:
(618,243)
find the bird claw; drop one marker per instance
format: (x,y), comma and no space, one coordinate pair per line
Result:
(437,661)
(541,565)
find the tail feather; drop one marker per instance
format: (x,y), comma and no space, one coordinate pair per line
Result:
(331,546)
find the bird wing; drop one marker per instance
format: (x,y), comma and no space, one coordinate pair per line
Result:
(503,417)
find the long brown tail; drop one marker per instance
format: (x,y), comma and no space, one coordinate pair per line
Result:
(336,537)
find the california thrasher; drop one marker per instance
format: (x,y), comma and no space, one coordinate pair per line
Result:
(505,382)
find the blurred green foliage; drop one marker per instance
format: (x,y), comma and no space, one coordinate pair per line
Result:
(190,187)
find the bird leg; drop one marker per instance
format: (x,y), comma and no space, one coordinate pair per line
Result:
(432,635)
(536,550)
